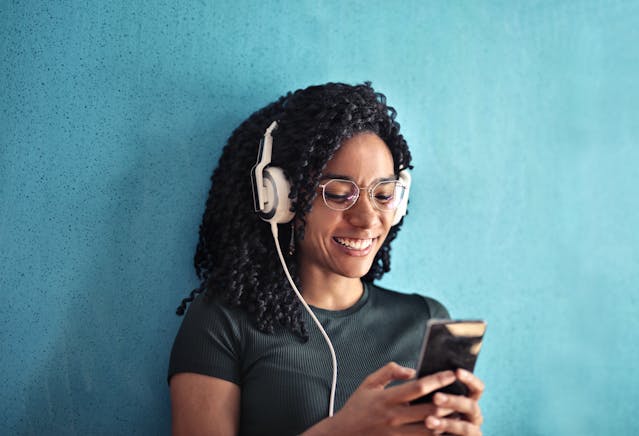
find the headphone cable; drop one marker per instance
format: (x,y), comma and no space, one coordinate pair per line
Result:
(331,402)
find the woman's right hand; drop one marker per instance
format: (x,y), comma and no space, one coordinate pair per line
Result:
(374,409)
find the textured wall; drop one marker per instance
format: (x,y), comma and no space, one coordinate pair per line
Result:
(523,119)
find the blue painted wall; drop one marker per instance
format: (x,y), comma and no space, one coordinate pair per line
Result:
(523,120)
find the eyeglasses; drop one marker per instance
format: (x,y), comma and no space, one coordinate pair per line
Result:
(339,194)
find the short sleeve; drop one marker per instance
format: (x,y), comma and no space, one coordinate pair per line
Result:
(208,342)
(436,309)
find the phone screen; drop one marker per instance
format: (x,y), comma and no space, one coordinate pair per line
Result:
(450,345)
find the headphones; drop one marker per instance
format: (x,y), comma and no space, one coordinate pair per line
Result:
(271,189)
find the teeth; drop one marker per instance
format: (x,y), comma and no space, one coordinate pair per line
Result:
(355,244)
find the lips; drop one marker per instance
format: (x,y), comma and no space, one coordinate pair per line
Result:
(354,244)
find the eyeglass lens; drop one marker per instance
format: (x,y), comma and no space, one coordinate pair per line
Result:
(342,194)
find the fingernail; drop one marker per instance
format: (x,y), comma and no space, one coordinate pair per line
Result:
(432,422)
(463,374)
(408,371)
(440,399)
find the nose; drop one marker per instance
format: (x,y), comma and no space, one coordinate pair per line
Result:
(362,213)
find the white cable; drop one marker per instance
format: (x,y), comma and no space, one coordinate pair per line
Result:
(331,401)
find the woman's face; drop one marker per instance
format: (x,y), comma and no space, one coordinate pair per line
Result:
(345,242)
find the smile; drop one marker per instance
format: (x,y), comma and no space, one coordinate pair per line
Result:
(354,244)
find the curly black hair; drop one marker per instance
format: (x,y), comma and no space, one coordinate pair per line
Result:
(235,258)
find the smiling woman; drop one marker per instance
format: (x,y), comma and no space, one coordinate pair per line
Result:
(248,359)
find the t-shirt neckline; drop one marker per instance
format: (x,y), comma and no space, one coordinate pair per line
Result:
(326,313)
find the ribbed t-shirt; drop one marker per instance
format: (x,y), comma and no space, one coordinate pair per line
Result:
(285,383)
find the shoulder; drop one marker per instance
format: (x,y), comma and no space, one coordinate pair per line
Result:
(208,311)
(211,321)
(389,298)
(210,340)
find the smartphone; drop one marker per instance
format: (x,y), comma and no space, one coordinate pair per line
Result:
(449,344)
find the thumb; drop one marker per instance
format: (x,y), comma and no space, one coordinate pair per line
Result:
(387,373)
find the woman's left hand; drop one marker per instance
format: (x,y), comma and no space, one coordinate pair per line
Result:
(466,417)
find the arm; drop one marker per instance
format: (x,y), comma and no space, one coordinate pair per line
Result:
(203,405)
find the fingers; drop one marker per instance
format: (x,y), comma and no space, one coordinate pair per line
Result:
(416,413)
(420,387)
(466,406)
(386,374)
(416,430)
(413,430)
(452,426)
(475,386)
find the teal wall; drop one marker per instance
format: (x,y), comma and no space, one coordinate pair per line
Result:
(523,118)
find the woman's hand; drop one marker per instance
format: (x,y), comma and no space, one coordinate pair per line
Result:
(374,409)
(466,418)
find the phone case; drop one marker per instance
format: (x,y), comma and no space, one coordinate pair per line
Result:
(450,344)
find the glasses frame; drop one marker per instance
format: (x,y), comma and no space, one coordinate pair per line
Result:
(369,189)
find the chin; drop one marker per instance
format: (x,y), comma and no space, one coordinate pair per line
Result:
(351,275)
(357,272)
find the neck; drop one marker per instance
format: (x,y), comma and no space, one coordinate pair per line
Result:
(330,292)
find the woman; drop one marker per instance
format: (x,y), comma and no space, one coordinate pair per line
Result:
(248,358)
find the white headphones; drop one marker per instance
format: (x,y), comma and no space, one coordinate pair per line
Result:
(271,188)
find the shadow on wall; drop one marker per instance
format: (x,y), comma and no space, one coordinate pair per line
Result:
(107,371)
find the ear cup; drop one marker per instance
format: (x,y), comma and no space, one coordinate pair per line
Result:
(400,212)
(277,207)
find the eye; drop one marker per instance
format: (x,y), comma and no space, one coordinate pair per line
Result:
(338,198)
(340,192)
(384,198)
(385,192)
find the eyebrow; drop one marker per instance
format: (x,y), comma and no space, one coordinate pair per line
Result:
(345,177)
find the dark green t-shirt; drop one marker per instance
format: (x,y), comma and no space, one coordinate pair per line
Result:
(285,383)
